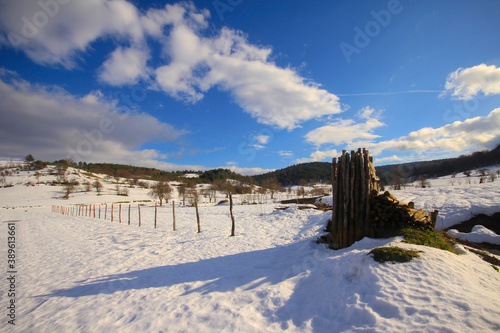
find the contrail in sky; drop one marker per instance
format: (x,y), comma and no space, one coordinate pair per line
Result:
(392,93)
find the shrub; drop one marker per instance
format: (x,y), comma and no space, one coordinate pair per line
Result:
(393,254)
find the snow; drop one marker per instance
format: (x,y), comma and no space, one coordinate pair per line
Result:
(81,274)
(479,234)
(457,199)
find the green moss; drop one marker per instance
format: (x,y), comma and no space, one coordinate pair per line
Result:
(428,238)
(495,268)
(394,254)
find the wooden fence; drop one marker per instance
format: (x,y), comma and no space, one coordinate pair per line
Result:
(94,210)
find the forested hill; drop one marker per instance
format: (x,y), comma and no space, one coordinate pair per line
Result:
(295,174)
(321,171)
(301,174)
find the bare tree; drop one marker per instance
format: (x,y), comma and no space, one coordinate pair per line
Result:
(37,176)
(121,190)
(193,195)
(492,176)
(98,186)
(423,182)
(68,189)
(272,185)
(161,190)
(301,191)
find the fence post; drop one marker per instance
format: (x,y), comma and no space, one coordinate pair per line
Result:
(197,214)
(120,213)
(173,212)
(111,212)
(128,214)
(139,208)
(231,211)
(155,214)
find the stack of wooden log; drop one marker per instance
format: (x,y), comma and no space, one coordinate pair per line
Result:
(359,210)
(353,179)
(386,211)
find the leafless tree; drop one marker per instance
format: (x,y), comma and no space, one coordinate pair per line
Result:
(161,190)
(272,185)
(98,186)
(423,182)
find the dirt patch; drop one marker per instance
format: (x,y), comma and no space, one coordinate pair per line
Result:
(490,222)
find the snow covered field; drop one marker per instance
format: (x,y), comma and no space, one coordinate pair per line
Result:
(80,274)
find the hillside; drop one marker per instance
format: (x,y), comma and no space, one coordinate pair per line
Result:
(319,172)
(86,274)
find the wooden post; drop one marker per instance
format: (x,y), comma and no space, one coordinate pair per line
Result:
(111,212)
(197,215)
(99,211)
(155,214)
(94,211)
(86,208)
(139,209)
(173,213)
(120,213)
(128,214)
(105,211)
(231,211)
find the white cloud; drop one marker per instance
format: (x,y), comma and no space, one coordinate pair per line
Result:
(285,153)
(55,34)
(319,156)
(467,83)
(192,64)
(347,131)
(273,95)
(124,66)
(248,171)
(461,136)
(49,122)
(262,139)
(393,158)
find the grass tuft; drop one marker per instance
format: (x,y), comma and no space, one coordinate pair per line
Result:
(393,254)
(428,238)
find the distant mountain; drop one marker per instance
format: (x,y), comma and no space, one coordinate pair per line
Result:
(443,167)
(317,172)
(314,172)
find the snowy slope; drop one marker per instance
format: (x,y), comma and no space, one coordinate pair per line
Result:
(457,199)
(80,274)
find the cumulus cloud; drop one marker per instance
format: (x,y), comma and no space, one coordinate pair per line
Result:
(124,66)
(477,133)
(271,94)
(393,158)
(347,131)
(465,83)
(262,139)
(472,134)
(55,32)
(193,60)
(319,156)
(51,122)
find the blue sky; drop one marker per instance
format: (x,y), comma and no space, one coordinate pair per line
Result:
(247,85)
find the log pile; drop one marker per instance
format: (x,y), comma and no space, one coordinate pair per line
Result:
(353,179)
(359,210)
(388,212)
